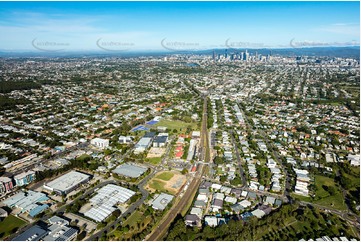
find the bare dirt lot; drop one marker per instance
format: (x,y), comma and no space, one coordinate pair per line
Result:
(167,181)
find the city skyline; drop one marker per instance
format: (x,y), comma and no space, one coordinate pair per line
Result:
(141,26)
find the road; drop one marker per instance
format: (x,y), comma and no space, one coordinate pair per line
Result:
(56,156)
(287,185)
(241,171)
(351,218)
(194,184)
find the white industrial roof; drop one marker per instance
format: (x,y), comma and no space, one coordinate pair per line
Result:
(67,181)
(106,198)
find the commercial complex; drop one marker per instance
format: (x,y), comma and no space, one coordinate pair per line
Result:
(67,183)
(161,201)
(6,185)
(24,178)
(29,202)
(130,170)
(57,230)
(103,204)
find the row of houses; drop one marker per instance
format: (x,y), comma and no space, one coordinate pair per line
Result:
(215,203)
(302,182)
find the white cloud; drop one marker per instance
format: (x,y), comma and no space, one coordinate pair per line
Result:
(352,29)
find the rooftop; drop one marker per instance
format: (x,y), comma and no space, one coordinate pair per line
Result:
(130,170)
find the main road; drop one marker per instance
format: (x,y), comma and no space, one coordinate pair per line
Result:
(241,171)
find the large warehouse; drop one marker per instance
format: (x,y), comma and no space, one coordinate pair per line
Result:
(67,183)
(103,203)
(130,170)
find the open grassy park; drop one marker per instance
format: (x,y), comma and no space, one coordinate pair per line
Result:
(175,124)
(324,196)
(154,160)
(133,219)
(10,225)
(165,176)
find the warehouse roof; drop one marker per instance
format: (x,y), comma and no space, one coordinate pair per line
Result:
(130,170)
(67,181)
(104,201)
(34,233)
(162,201)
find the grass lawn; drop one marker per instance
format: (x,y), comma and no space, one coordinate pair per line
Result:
(154,160)
(323,197)
(319,182)
(175,124)
(302,198)
(165,176)
(133,219)
(9,225)
(157,185)
(336,201)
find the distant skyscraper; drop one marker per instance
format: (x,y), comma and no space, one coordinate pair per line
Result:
(214,55)
(246,55)
(225,54)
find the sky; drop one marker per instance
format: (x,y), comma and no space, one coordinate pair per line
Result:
(134,26)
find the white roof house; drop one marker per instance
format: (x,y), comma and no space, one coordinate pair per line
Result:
(258,213)
(202,197)
(245,203)
(211,221)
(216,186)
(197,211)
(100,143)
(231,200)
(354,159)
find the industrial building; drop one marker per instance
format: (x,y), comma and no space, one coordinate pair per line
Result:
(67,183)
(130,170)
(34,233)
(104,202)
(161,202)
(143,144)
(192,149)
(57,230)
(160,140)
(29,202)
